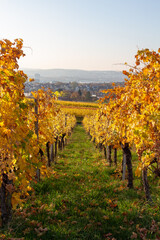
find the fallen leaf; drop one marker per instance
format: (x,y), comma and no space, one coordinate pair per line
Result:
(134,235)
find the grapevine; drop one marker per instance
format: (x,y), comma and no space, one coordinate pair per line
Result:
(22,141)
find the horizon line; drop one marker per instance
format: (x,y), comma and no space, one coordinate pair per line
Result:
(73,69)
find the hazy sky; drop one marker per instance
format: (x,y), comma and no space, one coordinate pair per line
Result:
(81,34)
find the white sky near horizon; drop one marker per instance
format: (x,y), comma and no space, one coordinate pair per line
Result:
(81,34)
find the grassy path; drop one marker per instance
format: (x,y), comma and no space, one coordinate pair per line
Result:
(85,199)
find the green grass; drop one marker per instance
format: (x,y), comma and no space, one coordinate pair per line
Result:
(86,199)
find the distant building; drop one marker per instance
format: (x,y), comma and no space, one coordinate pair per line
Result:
(37,77)
(27,94)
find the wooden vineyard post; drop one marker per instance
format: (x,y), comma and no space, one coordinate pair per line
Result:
(36,122)
(109,154)
(105,152)
(48,153)
(60,143)
(146,184)
(6,206)
(127,160)
(65,139)
(37,133)
(115,156)
(63,136)
(52,153)
(55,149)
(124,167)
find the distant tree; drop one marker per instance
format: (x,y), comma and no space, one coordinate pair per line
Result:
(75,96)
(88,96)
(79,92)
(66,95)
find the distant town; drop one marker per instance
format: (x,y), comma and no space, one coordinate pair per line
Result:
(74,85)
(73,91)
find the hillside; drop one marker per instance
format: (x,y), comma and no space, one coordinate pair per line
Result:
(70,75)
